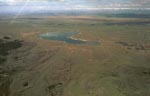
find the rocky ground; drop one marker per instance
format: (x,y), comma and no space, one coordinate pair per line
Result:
(23,69)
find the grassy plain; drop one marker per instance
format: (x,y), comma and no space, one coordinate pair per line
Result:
(118,66)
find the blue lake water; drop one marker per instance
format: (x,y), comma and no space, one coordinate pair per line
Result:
(66,37)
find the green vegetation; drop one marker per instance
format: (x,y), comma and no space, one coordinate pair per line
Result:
(6,47)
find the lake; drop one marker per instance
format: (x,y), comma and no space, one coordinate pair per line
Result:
(66,37)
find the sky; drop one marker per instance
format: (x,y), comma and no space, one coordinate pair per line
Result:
(48,5)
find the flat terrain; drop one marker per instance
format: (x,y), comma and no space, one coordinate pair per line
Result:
(118,66)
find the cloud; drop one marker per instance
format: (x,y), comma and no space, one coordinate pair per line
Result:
(44,5)
(83,2)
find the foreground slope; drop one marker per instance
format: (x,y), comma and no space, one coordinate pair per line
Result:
(118,66)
